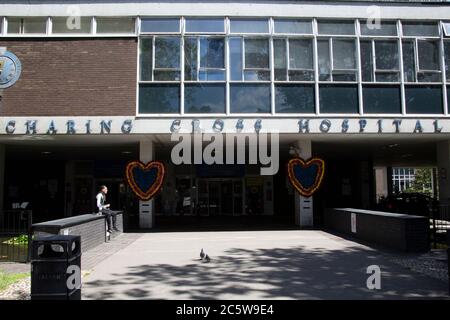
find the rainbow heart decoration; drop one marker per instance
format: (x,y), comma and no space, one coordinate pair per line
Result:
(145,179)
(306,176)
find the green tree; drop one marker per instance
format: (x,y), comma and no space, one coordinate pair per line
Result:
(423,182)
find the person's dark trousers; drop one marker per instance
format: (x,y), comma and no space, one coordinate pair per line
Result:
(110,215)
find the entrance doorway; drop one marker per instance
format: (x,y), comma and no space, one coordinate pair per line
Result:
(220,197)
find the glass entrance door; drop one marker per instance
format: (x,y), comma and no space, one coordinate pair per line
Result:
(220,197)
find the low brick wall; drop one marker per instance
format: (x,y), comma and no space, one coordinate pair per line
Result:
(91,228)
(402,232)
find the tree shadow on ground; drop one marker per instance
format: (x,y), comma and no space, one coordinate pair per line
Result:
(278,273)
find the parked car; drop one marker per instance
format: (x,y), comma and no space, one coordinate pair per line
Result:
(408,203)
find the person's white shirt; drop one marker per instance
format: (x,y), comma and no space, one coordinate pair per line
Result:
(101,199)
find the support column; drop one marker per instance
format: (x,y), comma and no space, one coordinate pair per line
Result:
(381,182)
(303,205)
(146,208)
(443,162)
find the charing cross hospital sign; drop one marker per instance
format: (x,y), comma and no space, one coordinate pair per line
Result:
(126,125)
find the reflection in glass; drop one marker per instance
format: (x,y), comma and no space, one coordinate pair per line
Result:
(280,63)
(428,54)
(423,99)
(366,61)
(190,58)
(300,54)
(294,98)
(159,98)
(323,48)
(381,99)
(160,25)
(249,98)
(167,52)
(409,69)
(204,25)
(447,59)
(386,54)
(336,27)
(257,53)
(212,53)
(204,98)
(146,59)
(426,29)
(293,26)
(338,98)
(249,26)
(344,54)
(235,45)
(383,29)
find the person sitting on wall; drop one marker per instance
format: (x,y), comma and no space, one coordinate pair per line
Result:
(104,209)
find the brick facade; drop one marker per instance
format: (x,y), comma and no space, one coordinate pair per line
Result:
(73,77)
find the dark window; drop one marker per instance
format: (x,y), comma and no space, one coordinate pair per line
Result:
(381,99)
(423,99)
(146,59)
(294,99)
(204,98)
(160,25)
(250,98)
(338,99)
(384,29)
(159,98)
(205,25)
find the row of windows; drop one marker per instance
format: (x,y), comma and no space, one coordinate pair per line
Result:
(207,98)
(87,25)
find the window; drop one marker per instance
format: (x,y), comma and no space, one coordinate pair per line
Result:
(71,25)
(146,51)
(27,25)
(236,65)
(250,98)
(423,99)
(160,25)
(204,98)
(211,52)
(292,26)
(336,27)
(446,27)
(422,29)
(256,57)
(447,59)
(299,66)
(338,98)
(116,25)
(385,67)
(343,57)
(205,25)
(159,98)
(381,99)
(421,60)
(385,28)
(294,98)
(249,26)
(167,59)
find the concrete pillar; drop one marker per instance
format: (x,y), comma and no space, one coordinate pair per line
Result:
(381,182)
(2,178)
(146,208)
(303,205)
(443,162)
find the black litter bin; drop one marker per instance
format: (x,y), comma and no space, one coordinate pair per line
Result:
(56,268)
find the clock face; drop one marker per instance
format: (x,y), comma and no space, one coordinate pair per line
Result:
(10,69)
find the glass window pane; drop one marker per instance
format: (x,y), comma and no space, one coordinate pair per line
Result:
(366,61)
(383,29)
(256,75)
(204,98)
(423,99)
(338,99)
(293,26)
(146,59)
(212,53)
(447,59)
(205,25)
(280,62)
(301,75)
(235,45)
(294,99)
(249,98)
(166,75)
(381,99)
(300,54)
(71,25)
(336,27)
(190,58)
(409,68)
(344,54)
(257,53)
(323,48)
(160,25)
(34,25)
(167,52)
(115,25)
(14,25)
(426,29)
(212,75)
(428,55)
(159,98)
(249,26)
(386,55)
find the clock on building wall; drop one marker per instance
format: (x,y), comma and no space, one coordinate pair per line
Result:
(10,69)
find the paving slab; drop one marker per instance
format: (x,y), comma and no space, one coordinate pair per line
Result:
(288,264)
